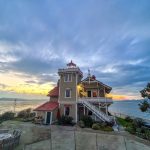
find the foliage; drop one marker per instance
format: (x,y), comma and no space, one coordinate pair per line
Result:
(65,120)
(128,119)
(7,116)
(135,126)
(131,130)
(26,113)
(145,93)
(144,105)
(96,126)
(87,121)
(102,126)
(137,123)
(123,122)
(107,128)
(81,124)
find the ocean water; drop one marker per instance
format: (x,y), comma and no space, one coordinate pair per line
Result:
(9,104)
(129,108)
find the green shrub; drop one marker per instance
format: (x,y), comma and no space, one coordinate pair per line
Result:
(96,126)
(107,128)
(137,123)
(26,113)
(131,130)
(7,116)
(128,119)
(87,121)
(147,134)
(139,130)
(103,124)
(65,120)
(123,122)
(81,124)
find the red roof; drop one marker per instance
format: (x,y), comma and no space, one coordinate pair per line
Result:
(54,92)
(48,106)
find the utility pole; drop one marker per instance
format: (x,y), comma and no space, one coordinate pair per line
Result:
(14,105)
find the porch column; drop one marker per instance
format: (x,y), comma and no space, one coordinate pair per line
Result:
(51,117)
(45,117)
(84,110)
(106,108)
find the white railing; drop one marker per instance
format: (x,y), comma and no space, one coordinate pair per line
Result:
(101,115)
(96,99)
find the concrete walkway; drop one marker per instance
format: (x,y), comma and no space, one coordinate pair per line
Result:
(36,137)
(67,138)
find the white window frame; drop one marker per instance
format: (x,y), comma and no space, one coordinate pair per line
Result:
(70,93)
(68,74)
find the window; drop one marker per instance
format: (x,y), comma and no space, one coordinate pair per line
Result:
(68,77)
(88,93)
(68,93)
(94,93)
(67,111)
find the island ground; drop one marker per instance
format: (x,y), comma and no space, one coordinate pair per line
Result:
(36,137)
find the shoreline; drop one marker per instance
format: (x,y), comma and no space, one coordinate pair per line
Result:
(121,115)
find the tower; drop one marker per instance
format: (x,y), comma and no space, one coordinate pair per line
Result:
(69,79)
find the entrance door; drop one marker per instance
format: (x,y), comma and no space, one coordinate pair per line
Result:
(48,118)
(89,93)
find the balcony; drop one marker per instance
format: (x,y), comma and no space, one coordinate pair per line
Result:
(96,99)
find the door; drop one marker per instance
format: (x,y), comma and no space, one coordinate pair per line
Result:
(89,93)
(48,118)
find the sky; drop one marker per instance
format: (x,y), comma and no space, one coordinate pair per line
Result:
(109,37)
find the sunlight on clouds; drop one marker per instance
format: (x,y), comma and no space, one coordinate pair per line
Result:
(121,97)
(17,84)
(30,89)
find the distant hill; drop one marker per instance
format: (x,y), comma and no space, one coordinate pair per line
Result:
(20,99)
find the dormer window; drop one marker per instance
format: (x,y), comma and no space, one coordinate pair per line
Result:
(68,77)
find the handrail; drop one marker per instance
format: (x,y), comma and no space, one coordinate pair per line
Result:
(97,112)
(96,99)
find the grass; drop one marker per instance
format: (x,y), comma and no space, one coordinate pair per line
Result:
(123,122)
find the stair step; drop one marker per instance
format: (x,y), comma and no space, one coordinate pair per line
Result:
(97,112)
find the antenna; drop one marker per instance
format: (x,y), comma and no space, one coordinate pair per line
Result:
(89,73)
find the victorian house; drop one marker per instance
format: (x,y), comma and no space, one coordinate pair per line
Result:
(74,96)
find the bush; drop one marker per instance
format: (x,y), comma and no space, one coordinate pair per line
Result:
(108,128)
(7,116)
(96,126)
(147,134)
(81,124)
(131,130)
(139,130)
(26,113)
(87,121)
(65,120)
(128,119)
(103,124)
(137,123)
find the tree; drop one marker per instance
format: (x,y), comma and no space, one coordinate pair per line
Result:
(145,93)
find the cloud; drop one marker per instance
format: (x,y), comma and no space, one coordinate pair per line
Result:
(109,37)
